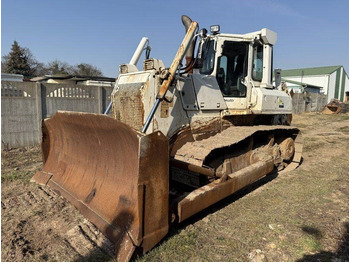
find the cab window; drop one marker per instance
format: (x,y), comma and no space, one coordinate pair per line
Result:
(257,62)
(208,55)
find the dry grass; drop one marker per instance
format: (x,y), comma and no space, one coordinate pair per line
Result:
(300,216)
(19,164)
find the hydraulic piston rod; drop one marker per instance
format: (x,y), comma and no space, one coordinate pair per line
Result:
(186,42)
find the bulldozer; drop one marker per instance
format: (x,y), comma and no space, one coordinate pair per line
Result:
(177,140)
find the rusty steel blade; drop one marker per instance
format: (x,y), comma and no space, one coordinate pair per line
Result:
(115,176)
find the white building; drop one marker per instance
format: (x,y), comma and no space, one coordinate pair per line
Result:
(333,80)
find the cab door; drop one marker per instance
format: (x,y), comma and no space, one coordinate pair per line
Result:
(232,73)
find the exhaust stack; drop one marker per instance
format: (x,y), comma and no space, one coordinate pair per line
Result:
(186,21)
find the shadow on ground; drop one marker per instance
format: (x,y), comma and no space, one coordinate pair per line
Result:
(342,253)
(97,255)
(118,235)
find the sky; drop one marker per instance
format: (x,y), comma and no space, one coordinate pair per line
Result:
(105,33)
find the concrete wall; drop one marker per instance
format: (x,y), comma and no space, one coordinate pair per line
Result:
(71,98)
(312,102)
(20,114)
(24,105)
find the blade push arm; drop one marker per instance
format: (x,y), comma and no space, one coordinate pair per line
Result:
(172,70)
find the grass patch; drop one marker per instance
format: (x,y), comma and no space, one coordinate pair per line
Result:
(312,145)
(96,256)
(11,176)
(310,244)
(176,247)
(344,129)
(334,118)
(20,164)
(301,125)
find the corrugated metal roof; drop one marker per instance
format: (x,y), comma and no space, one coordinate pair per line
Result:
(11,77)
(300,83)
(72,77)
(324,70)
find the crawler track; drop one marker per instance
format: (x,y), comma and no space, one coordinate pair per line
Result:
(197,152)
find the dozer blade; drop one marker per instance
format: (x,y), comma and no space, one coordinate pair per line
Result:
(115,176)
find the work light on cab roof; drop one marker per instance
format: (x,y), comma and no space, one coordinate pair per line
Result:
(215,29)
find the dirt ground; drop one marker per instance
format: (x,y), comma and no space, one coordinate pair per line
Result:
(299,216)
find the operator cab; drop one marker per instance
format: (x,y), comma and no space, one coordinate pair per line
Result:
(238,62)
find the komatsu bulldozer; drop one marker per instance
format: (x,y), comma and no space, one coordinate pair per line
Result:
(179,140)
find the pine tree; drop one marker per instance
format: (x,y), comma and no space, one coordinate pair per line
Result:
(17,62)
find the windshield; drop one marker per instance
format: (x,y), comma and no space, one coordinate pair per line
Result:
(232,68)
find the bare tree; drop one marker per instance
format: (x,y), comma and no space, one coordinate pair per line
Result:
(58,67)
(84,69)
(37,68)
(4,59)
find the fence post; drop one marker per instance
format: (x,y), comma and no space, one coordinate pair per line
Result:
(99,100)
(43,101)
(104,99)
(298,108)
(38,109)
